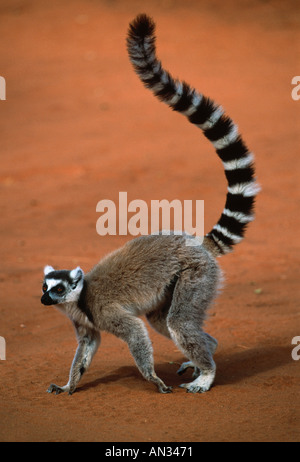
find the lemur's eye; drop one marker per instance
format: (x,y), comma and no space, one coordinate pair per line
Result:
(59,289)
(45,287)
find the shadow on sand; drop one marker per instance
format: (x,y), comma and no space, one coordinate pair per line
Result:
(231,368)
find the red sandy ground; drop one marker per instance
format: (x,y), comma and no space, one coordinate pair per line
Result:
(78,127)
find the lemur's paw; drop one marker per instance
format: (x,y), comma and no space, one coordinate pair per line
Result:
(193,388)
(184,367)
(187,365)
(57,390)
(200,385)
(165,389)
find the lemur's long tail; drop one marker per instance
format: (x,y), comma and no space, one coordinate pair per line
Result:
(216,126)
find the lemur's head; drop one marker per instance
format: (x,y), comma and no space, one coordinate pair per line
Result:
(61,286)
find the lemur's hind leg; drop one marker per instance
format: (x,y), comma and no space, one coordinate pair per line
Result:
(158,320)
(212,345)
(192,296)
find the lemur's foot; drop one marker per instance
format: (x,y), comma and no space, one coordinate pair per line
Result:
(162,387)
(200,385)
(57,390)
(165,389)
(187,365)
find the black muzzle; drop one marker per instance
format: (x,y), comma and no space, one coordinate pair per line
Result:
(47,300)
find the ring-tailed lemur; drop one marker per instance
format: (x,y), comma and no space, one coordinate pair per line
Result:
(160,276)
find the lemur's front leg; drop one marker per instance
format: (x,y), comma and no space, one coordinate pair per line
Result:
(133,331)
(88,343)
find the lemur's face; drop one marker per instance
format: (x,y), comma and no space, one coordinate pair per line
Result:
(61,286)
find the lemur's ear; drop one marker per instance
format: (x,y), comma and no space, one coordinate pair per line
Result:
(48,269)
(76,274)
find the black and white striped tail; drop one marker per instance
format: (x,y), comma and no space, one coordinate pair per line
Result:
(216,126)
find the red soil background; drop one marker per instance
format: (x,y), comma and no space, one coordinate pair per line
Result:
(78,127)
